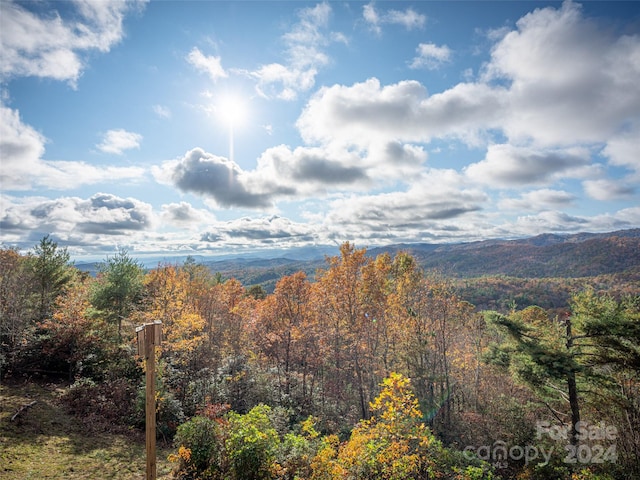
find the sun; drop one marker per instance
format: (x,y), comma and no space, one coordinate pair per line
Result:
(232,110)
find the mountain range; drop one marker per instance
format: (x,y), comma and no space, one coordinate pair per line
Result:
(547,255)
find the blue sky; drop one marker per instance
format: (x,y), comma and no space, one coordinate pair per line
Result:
(207,127)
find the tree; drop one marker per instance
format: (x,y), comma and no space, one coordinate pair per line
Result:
(119,289)
(607,343)
(285,335)
(70,336)
(16,310)
(342,318)
(541,354)
(428,317)
(393,444)
(52,272)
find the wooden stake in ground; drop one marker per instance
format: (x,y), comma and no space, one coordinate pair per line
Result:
(150,335)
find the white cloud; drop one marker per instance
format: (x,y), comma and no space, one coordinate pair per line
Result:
(162,111)
(537,200)
(20,144)
(430,56)
(210,65)
(305,55)
(51,45)
(408,18)
(509,166)
(559,222)
(435,202)
(21,150)
(607,189)
(117,141)
(183,215)
(371,17)
(218,179)
(101,214)
(584,89)
(367,111)
(623,149)
(272,230)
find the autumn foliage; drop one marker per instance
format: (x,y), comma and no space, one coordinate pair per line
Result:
(370,369)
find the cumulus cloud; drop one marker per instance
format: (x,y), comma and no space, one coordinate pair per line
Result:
(261,231)
(117,141)
(623,148)
(556,221)
(552,104)
(101,214)
(607,189)
(183,215)
(536,200)
(436,201)
(217,178)
(310,170)
(267,228)
(281,173)
(21,150)
(50,45)
(357,114)
(430,56)
(305,55)
(408,18)
(509,166)
(210,65)
(562,68)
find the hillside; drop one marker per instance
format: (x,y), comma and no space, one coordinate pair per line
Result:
(571,256)
(543,256)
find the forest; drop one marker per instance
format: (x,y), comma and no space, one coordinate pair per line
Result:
(373,369)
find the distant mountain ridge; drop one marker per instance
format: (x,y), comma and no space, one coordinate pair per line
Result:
(546,255)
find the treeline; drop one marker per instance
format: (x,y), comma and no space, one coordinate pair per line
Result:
(312,380)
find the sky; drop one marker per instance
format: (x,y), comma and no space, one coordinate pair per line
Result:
(219,127)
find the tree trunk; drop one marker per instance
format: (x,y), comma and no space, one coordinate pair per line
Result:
(572,389)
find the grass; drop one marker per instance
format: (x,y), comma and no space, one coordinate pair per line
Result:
(44,442)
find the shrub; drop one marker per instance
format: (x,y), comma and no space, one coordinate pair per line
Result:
(252,444)
(106,406)
(200,449)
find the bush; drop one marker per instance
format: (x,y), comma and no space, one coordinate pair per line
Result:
(252,445)
(200,449)
(107,406)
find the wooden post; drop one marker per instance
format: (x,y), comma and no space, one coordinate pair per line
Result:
(150,335)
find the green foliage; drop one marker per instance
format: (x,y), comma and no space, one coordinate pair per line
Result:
(252,445)
(169,411)
(203,438)
(16,307)
(323,348)
(393,444)
(51,273)
(119,289)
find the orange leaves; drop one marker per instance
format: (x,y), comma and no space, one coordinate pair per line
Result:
(169,300)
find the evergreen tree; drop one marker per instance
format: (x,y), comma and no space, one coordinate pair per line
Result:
(119,289)
(52,272)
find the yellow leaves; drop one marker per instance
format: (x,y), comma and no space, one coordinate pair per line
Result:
(393,444)
(184,455)
(396,401)
(308,427)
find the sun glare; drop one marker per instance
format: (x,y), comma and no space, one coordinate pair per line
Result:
(232,110)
